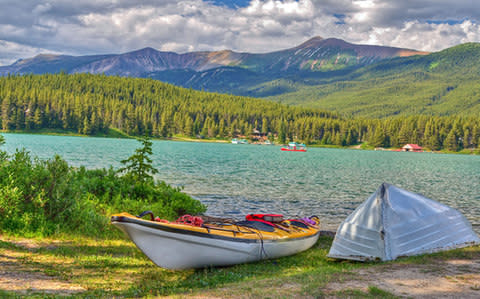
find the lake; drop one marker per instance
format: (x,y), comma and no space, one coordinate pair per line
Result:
(233,180)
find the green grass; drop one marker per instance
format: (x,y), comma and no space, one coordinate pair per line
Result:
(115,133)
(373,292)
(116,268)
(110,268)
(112,133)
(57,132)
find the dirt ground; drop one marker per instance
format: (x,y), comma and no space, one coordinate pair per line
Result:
(19,277)
(449,279)
(454,278)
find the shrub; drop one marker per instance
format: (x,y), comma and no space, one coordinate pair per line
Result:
(45,197)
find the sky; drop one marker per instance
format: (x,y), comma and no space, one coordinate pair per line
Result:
(88,27)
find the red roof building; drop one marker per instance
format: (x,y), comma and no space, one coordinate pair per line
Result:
(412,148)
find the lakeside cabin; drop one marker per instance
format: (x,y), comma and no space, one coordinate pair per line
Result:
(412,148)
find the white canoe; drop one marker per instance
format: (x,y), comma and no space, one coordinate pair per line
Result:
(181,246)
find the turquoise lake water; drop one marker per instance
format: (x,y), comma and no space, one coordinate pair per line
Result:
(233,180)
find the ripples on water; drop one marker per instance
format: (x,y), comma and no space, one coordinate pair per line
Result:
(233,180)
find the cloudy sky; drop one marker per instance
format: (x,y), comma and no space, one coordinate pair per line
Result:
(83,27)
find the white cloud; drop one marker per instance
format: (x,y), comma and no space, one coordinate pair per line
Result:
(10,52)
(103,26)
(432,37)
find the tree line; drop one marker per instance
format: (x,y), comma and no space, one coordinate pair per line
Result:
(91,104)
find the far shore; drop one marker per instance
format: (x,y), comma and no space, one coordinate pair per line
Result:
(114,133)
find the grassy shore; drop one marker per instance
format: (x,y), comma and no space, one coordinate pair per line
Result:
(112,133)
(92,268)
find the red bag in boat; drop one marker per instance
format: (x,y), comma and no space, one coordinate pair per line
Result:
(190,220)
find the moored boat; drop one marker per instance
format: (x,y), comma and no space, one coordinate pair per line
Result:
(197,243)
(295,147)
(268,142)
(239,141)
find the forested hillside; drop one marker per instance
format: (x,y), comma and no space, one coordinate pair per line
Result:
(91,104)
(442,83)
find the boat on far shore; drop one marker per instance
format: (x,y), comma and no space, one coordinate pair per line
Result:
(239,141)
(268,142)
(295,147)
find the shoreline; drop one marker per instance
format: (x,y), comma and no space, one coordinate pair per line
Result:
(114,133)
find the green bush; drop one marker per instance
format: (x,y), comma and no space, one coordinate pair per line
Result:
(45,197)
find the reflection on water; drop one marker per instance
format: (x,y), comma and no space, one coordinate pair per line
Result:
(233,180)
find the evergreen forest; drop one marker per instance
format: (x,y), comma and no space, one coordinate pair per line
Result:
(442,83)
(94,104)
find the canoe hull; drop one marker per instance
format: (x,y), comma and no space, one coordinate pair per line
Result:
(173,249)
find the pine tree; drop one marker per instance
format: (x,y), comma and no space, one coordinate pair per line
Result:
(188,127)
(6,114)
(339,139)
(264,126)
(349,138)
(466,138)
(379,138)
(405,134)
(138,167)
(475,136)
(86,129)
(451,142)
(282,134)
(37,118)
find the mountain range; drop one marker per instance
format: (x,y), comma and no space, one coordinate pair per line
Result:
(316,54)
(362,80)
(224,71)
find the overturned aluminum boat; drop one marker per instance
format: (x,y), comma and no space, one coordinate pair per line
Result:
(394,222)
(174,245)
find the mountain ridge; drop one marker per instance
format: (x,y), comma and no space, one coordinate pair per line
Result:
(312,55)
